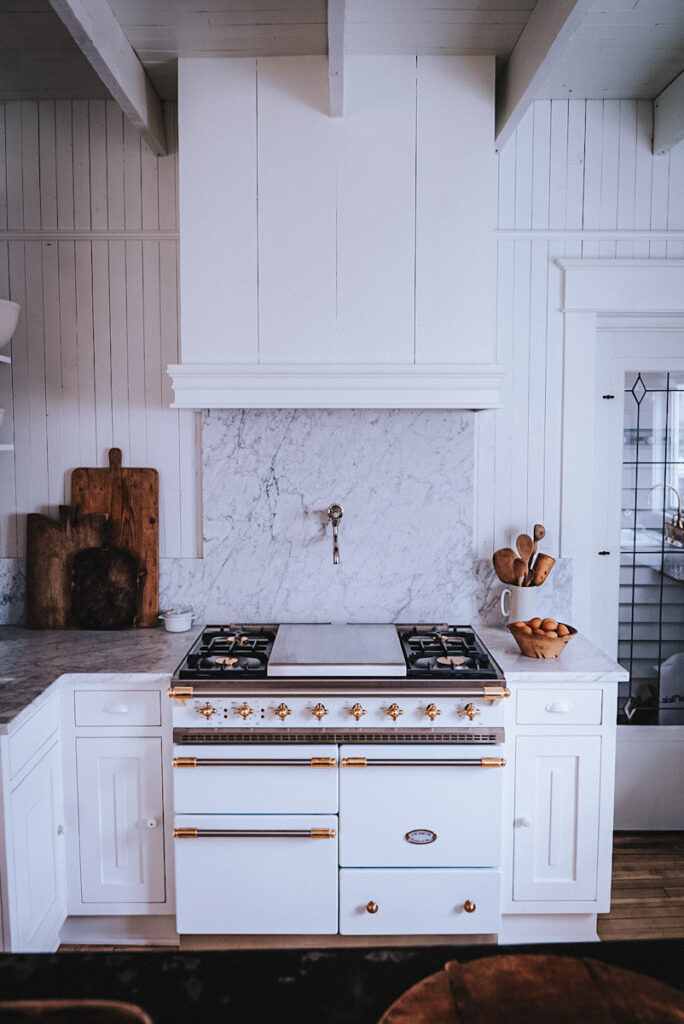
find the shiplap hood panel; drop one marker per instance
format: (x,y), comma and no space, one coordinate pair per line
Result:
(337,262)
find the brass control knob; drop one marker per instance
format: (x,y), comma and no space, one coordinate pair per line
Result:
(469,907)
(357,711)
(244,710)
(207,710)
(431,711)
(470,711)
(319,711)
(394,711)
(372,907)
(282,711)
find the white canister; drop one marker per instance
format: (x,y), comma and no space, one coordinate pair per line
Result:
(518,604)
(177,620)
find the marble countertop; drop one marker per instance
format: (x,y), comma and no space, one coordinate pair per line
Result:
(31,660)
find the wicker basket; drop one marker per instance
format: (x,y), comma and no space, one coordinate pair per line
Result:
(540,646)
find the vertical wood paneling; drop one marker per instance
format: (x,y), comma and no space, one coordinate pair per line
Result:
(99,320)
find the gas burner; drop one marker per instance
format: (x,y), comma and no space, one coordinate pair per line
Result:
(453,660)
(224,651)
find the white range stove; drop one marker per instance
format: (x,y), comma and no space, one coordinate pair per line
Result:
(383,744)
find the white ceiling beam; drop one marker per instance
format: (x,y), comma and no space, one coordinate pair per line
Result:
(668,116)
(336,56)
(545,37)
(99,35)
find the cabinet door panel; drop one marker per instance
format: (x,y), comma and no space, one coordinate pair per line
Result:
(37,887)
(120,814)
(556,817)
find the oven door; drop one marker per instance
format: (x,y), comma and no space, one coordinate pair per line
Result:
(216,778)
(256,874)
(420,806)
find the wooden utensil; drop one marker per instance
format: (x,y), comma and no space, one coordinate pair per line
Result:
(131,499)
(538,534)
(104,588)
(519,571)
(525,546)
(503,564)
(541,569)
(50,550)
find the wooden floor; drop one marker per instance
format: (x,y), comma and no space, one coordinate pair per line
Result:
(647,902)
(647,898)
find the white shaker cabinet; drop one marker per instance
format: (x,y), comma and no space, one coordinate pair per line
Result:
(32,864)
(117,762)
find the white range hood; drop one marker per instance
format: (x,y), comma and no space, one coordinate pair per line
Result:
(337,263)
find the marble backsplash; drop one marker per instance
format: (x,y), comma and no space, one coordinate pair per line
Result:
(405,480)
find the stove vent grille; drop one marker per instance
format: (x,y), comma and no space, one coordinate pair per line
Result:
(210,736)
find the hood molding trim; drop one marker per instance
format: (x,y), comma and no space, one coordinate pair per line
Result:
(473,386)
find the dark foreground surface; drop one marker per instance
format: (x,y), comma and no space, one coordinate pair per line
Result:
(326,986)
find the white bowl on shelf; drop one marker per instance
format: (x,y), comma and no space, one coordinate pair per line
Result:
(9,315)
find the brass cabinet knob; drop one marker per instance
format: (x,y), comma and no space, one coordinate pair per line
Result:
(469,907)
(431,711)
(282,711)
(394,711)
(470,711)
(319,711)
(244,710)
(357,711)
(207,710)
(372,907)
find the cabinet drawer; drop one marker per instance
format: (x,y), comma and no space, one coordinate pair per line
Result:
(411,901)
(117,707)
(561,706)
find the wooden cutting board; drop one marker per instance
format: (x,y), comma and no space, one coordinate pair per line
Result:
(130,497)
(50,550)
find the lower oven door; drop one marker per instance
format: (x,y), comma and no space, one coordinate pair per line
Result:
(420,806)
(256,874)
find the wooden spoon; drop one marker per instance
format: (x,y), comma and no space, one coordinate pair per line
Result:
(539,533)
(542,567)
(503,564)
(519,571)
(525,546)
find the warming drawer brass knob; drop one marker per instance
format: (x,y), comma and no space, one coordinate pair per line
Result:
(394,711)
(244,710)
(470,711)
(319,711)
(469,907)
(282,711)
(431,711)
(357,711)
(372,907)
(207,710)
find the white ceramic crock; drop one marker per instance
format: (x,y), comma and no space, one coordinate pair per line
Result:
(177,620)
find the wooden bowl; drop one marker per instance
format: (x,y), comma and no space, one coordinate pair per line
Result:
(541,646)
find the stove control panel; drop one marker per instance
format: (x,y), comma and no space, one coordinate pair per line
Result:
(365,712)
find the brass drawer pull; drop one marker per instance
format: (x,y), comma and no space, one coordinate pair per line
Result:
(253,833)
(423,762)
(254,762)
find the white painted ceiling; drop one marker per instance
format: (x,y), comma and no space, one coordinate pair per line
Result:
(623,48)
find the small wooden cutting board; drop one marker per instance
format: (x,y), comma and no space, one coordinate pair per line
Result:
(130,497)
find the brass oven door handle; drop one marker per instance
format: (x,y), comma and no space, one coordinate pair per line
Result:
(254,762)
(423,762)
(253,833)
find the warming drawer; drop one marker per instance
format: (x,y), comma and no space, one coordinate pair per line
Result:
(259,779)
(256,874)
(431,902)
(420,806)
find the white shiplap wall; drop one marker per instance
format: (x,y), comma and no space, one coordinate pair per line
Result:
(89,248)
(577,180)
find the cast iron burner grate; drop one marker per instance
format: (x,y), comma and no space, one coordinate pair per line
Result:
(225,651)
(453,652)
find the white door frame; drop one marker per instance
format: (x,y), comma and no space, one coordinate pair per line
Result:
(593,289)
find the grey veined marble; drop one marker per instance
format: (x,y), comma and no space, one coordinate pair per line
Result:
(405,481)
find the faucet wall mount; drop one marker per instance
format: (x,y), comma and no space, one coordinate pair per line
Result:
(335,513)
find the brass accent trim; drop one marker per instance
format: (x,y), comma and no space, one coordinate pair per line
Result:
(431,711)
(185,833)
(323,833)
(394,711)
(469,906)
(282,711)
(319,711)
(244,710)
(353,762)
(493,762)
(207,710)
(372,907)
(357,711)
(184,762)
(493,693)
(180,694)
(469,711)
(323,762)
